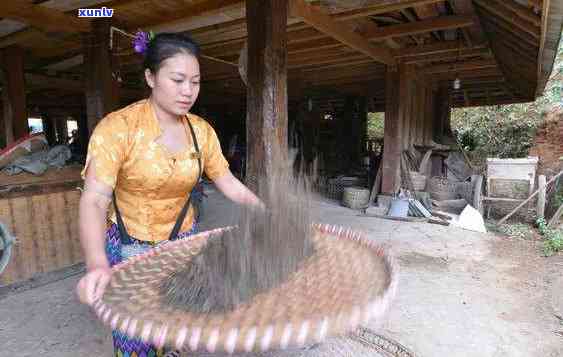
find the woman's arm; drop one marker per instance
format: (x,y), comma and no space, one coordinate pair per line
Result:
(93,207)
(234,190)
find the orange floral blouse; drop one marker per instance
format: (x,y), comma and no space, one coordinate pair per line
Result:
(151,184)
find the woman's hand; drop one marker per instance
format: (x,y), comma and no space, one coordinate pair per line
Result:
(94,203)
(231,187)
(92,285)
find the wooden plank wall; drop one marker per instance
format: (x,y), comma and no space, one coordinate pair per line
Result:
(46,230)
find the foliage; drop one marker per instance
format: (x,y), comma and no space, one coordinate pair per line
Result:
(376,122)
(518,230)
(507,131)
(553,238)
(497,131)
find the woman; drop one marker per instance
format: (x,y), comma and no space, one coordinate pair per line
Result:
(148,157)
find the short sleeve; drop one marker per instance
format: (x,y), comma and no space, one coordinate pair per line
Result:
(215,164)
(107,148)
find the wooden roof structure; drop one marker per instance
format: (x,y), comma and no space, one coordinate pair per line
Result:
(501,50)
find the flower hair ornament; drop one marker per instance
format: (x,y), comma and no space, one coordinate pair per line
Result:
(141,41)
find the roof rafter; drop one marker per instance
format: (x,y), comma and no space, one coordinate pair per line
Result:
(332,28)
(412,28)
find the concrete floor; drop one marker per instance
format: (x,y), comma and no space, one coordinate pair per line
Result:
(460,294)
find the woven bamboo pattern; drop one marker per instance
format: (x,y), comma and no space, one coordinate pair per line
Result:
(356,197)
(349,281)
(335,187)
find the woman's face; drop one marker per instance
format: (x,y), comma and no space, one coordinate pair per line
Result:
(175,86)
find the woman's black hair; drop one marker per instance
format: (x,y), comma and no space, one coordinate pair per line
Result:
(166,45)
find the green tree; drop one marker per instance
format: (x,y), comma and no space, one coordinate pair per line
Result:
(376,123)
(508,130)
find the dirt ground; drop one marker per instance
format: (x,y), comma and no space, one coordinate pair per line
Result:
(460,294)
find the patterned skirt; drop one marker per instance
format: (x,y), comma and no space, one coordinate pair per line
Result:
(116,252)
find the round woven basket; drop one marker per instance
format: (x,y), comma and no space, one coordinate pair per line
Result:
(355,197)
(349,280)
(441,189)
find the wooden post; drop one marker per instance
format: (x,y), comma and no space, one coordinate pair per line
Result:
(407,103)
(82,131)
(540,210)
(429,114)
(14,98)
(101,88)
(392,141)
(2,131)
(266,129)
(363,134)
(62,130)
(355,117)
(442,114)
(49,128)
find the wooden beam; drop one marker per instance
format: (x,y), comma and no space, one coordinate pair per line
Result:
(384,7)
(339,59)
(508,16)
(425,12)
(327,25)
(521,74)
(14,94)
(449,56)
(466,74)
(521,10)
(266,120)
(339,65)
(460,66)
(101,88)
(43,18)
(18,37)
(413,28)
(366,25)
(504,28)
(66,63)
(348,80)
(473,35)
(406,13)
(496,101)
(39,81)
(435,48)
(181,17)
(298,32)
(552,18)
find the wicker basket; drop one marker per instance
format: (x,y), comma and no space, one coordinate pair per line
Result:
(418,181)
(350,280)
(441,189)
(335,187)
(355,197)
